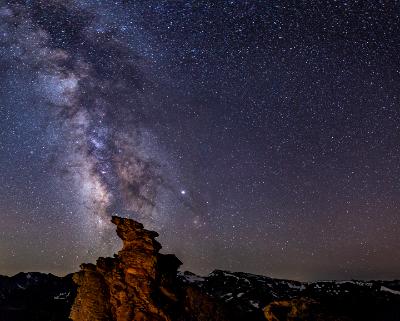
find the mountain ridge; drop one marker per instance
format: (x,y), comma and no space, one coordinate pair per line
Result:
(139,283)
(213,284)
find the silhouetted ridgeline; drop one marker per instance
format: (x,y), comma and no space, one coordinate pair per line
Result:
(139,283)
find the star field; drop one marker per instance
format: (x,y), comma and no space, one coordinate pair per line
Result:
(258,136)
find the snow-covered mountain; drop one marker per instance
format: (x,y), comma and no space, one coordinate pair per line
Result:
(247,297)
(36,297)
(253,297)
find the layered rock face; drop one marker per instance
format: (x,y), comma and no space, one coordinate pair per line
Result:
(138,284)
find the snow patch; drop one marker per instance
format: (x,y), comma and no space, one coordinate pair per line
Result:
(255,304)
(62,296)
(193,278)
(384,288)
(295,286)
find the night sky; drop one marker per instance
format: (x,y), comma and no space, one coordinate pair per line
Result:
(257,136)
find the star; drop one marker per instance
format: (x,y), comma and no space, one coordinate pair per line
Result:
(233,128)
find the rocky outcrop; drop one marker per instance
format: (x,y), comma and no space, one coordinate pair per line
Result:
(220,296)
(287,310)
(295,309)
(138,284)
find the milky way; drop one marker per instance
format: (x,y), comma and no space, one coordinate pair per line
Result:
(95,95)
(260,136)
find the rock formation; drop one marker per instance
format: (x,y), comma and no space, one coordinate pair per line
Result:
(295,309)
(138,284)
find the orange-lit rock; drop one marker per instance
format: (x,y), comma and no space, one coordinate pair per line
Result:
(135,285)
